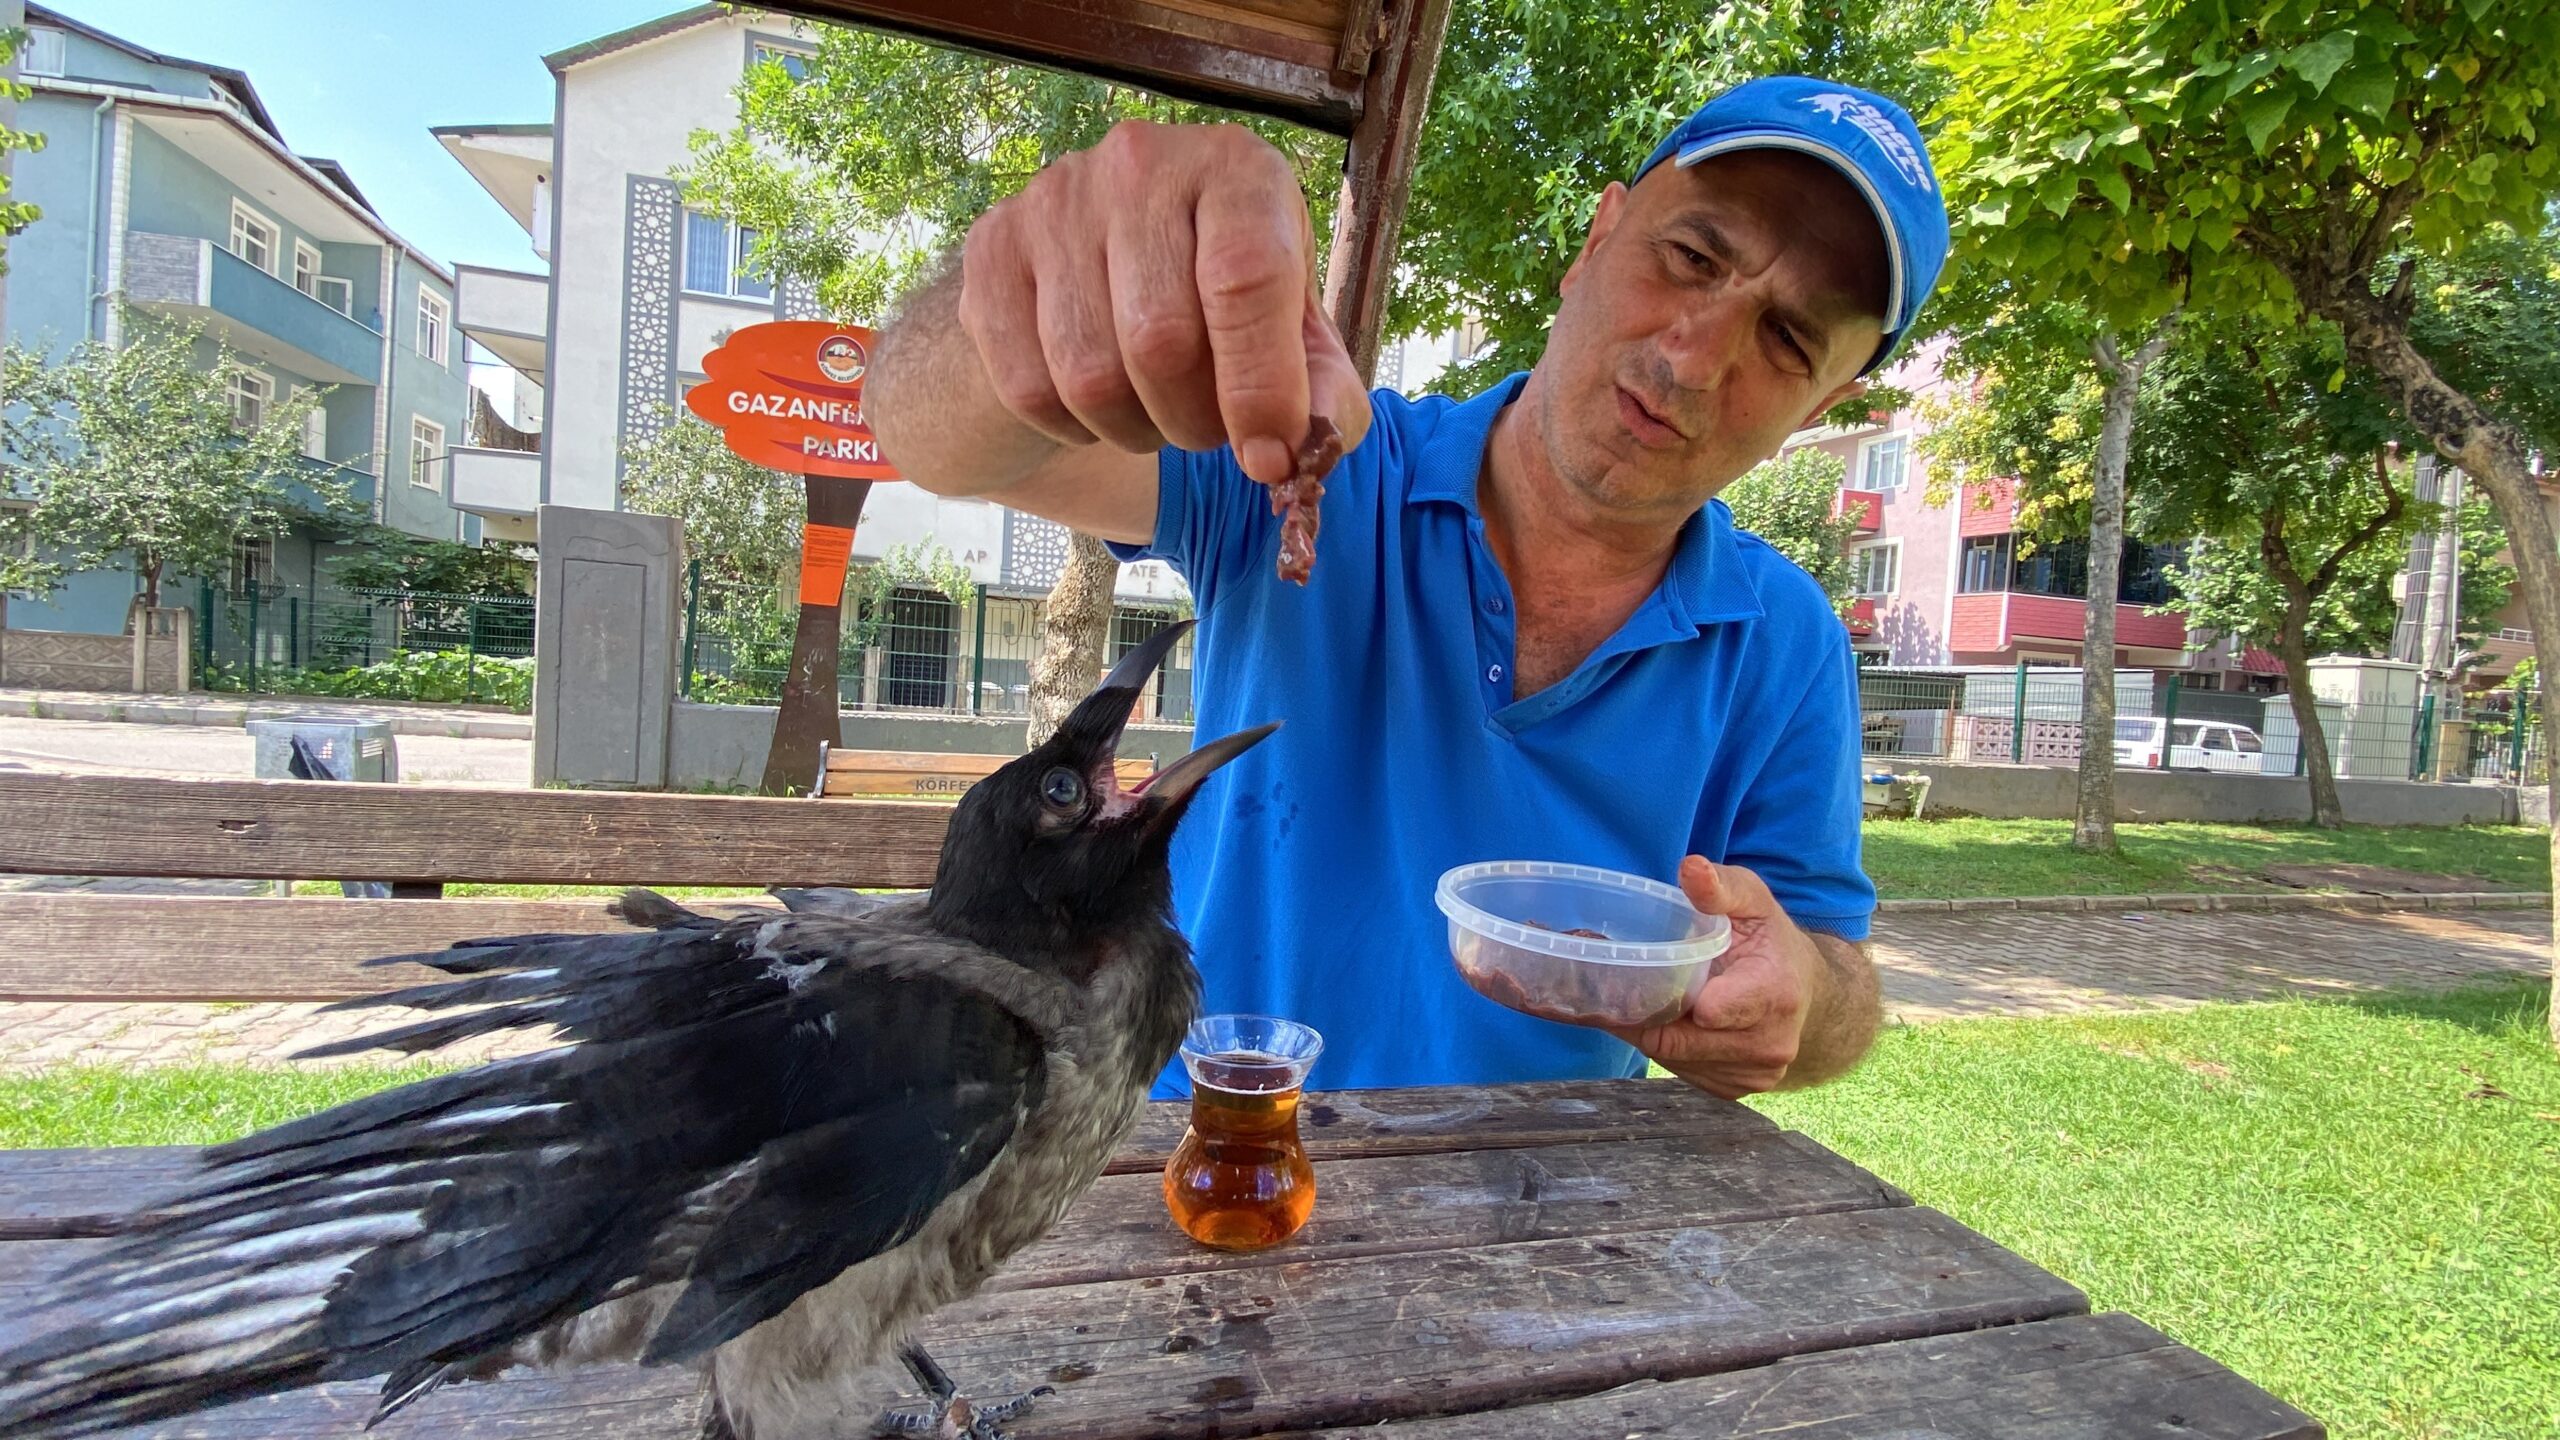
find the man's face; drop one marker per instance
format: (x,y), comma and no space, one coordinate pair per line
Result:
(1712,312)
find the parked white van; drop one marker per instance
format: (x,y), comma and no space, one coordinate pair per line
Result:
(2200,745)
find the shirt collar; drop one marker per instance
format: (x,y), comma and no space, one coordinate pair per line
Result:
(1707,584)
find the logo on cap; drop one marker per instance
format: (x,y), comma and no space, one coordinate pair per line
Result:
(1896,146)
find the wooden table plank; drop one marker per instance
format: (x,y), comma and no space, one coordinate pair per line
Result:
(1437,1119)
(49,1194)
(1352,1342)
(2080,1377)
(1386,1205)
(611,1402)
(221,948)
(300,829)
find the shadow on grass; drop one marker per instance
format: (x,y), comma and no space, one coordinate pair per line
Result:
(2512,1009)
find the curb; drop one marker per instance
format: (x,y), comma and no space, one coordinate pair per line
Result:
(232,714)
(2278,902)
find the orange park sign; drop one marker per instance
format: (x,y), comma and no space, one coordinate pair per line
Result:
(788,396)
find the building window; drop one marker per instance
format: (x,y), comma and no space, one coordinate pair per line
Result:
(435,317)
(253,237)
(47,51)
(426,450)
(1876,569)
(315,426)
(794,63)
(715,258)
(306,269)
(1986,565)
(253,563)
(252,393)
(1884,464)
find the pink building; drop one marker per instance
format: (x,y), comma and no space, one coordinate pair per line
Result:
(1946,585)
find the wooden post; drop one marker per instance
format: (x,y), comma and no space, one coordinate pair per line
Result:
(810,707)
(1403,54)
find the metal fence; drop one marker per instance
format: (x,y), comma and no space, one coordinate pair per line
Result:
(919,651)
(2030,715)
(284,638)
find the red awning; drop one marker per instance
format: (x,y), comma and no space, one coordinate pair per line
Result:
(2260,662)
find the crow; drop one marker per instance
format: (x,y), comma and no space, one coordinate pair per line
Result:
(763,1146)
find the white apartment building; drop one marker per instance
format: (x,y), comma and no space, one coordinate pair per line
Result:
(638,289)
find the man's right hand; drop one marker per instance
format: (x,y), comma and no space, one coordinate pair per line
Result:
(1159,289)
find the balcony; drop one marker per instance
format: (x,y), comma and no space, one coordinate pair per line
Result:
(502,487)
(509,313)
(1866,507)
(1989,508)
(2001,619)
(359,484)
(1861,618)
(251,311)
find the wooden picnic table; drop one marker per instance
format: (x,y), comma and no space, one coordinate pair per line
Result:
(1528,1262)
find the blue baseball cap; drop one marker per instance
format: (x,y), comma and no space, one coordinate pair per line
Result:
(1864,136)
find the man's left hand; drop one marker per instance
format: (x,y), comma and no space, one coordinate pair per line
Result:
(1747,1028)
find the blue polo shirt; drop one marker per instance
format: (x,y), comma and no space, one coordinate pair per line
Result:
(1721,719)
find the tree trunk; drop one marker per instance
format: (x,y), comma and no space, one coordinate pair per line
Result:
(2293,646)
(2096,826)
(142,629)
(1075,628)
(2489,450)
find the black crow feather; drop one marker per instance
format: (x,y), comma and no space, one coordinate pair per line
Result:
(762,1145)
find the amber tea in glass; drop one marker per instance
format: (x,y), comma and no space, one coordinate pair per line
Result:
(1240,1179)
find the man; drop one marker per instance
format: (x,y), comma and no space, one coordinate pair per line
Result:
(1530,634)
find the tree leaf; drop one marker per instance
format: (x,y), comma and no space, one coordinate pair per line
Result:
(2076,148)
(2465,68)
(2320,59)
(2112,184)
(2261,114)
(2367,92)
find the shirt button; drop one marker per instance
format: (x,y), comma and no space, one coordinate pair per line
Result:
(1494,674)
(1493,606)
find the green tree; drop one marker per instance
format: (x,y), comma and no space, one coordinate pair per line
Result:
(2320,155)
(132,457)
(15,215)
(741,520)
(386,559)
(2043,270)
(859,171)
(1791,503)
(2301,518)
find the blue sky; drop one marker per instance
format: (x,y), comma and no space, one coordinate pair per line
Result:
(359,81)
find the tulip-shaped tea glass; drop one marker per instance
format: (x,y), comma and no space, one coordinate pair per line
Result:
(1240,1179)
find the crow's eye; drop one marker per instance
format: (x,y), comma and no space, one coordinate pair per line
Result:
(1063,788)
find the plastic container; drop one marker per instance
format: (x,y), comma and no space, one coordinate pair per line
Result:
(1510,924)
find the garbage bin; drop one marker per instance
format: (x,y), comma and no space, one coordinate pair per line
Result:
(346,749)
(328,747)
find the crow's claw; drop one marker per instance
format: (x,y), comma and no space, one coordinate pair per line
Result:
(950,1415)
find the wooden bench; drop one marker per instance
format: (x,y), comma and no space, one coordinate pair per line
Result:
(1507,1259)
(911,774)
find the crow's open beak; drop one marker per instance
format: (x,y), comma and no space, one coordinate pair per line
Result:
(1103,714)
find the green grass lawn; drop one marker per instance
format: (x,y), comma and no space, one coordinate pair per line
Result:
(1945,859)
(77,1105)
(2356,1205)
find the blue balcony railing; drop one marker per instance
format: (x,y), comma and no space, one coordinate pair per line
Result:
(244,293)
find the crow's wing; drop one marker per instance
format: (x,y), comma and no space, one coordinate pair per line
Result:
(849,904)
(742,1111)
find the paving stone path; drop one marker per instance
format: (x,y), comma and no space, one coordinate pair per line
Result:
(1936,967)
(1941,967)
